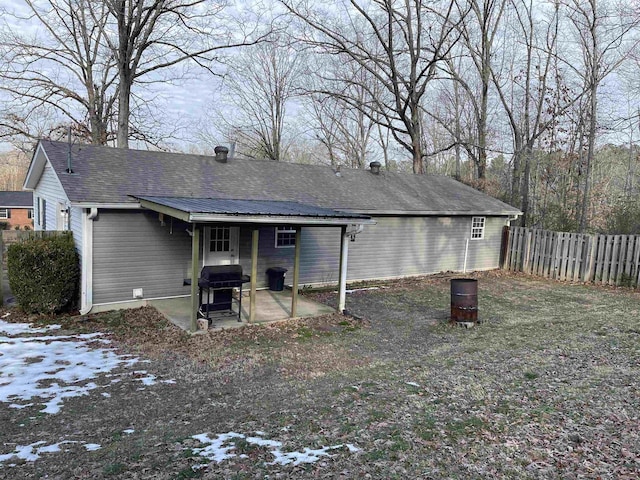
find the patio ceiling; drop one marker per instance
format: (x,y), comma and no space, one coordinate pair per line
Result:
(197,210)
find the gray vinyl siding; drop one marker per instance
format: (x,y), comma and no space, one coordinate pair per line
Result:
(268,255)
(394,247)
(133,250)
(76,228)
(50,189)
(402,246)
(319,256)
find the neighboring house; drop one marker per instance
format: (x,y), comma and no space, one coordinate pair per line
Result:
(16,209)
(135,214)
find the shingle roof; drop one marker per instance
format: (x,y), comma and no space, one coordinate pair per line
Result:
(108,175)
(16,199)
(246,207)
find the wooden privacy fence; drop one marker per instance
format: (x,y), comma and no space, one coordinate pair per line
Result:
(602,259)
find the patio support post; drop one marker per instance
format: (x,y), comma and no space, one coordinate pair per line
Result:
(254,274)
(296,275)
(195,263)
(342,282)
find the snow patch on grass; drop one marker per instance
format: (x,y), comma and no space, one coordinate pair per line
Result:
(51,367)
(22,328)
(32,452)
(221,447)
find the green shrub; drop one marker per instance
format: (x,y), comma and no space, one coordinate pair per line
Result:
(44,273)
(4,225)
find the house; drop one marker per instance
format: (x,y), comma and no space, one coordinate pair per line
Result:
(16,209)
(141,218)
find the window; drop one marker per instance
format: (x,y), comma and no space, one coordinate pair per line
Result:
(477,227)
(219,239)
(30,213)
(285,237)
(4,213)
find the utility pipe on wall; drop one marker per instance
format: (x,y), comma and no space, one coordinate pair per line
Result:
(466,251)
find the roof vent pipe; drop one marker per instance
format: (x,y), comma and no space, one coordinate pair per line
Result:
(69,167)
(375,167)
(221,154)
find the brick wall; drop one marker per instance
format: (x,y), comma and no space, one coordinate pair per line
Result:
(19,217)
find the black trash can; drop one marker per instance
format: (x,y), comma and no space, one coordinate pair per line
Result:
(276,278)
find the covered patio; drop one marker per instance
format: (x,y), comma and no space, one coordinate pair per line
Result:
(201,213)
(270,307)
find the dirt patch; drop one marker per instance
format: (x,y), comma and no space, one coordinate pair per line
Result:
(546,387)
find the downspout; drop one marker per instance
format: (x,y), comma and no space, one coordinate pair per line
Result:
(86,281)
(466,252)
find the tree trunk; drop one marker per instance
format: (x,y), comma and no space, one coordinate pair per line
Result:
(125,74)
(525,185)
(517,173)
(124,98)
(590,154)
(415,131)
(482,165)
(418,167)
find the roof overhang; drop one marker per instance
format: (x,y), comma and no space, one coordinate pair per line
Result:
(114,205)
(36,167)
(438,213)
(280,220)
(320,216)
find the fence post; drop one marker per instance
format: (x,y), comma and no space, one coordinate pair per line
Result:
(504,247)
(2,270)
(513,248)
(527,250)
(635,263)
(592,245)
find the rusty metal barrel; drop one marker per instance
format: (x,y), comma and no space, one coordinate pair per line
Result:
(464,300)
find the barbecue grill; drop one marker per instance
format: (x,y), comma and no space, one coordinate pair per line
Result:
(218,282)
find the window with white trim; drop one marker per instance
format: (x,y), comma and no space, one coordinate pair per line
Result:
(220,239)
(30,214)
(4,213)
(285,237)
(477,227)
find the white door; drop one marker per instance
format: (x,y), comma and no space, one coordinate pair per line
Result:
(220,245)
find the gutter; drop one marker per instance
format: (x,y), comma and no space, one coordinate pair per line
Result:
(279,220)
(86,277)
(435,213)
(92,205)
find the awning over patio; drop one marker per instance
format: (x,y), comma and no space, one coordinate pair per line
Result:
(195,210)
(254,213)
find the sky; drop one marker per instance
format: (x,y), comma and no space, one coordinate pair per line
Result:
(180,104)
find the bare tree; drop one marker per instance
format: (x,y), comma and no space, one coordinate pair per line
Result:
(150,37)
(602,29)
(256,94)
(344,130)
(400,44)
(527,90)
(479,32)
(63,75)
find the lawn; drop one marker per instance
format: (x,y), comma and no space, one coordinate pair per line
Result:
(546,387)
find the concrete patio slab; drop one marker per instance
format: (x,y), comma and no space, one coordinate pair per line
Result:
(270,307)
